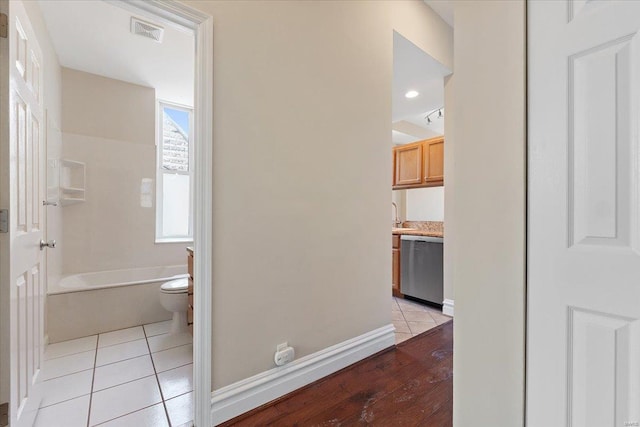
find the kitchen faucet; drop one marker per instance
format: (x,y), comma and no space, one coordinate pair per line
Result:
(396,223)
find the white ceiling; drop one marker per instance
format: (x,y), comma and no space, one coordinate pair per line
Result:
(444,8)
(400,138)
(413,69)
(94,36)
(433,129)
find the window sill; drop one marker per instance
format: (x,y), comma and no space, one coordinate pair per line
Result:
(174,240)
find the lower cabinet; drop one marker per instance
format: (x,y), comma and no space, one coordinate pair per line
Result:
(395,263)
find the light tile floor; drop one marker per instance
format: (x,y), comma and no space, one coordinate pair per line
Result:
(412,318)
(133,377)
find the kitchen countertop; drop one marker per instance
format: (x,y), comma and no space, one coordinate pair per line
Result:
(417,232)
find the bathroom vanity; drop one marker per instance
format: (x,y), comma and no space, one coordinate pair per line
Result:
(190,288)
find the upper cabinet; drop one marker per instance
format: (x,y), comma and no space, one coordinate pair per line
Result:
(420,164)
(434,161)
(408,165)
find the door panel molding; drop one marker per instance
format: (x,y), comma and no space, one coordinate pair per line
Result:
(583,266)
(599,145)
(600,344)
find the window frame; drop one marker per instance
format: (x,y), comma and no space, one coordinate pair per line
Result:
(159,235)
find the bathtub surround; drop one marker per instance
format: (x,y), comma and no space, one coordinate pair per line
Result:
(110,125)
(122,231)
(53,214)
(73,315)
(92,303)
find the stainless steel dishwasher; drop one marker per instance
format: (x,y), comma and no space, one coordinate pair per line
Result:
(421,268)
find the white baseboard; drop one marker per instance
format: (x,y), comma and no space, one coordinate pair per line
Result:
(238,398)
(447,307)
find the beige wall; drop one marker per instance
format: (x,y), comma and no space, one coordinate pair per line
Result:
(296,193)
(489,213)
(302,119)
(107,108)
(419,24)
(449,186)
(425,204)
(110,125)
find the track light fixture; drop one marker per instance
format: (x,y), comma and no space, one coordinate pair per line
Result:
(437,110)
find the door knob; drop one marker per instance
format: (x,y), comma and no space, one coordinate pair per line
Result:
(50,244)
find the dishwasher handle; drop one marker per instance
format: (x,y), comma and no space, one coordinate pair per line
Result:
(424,239)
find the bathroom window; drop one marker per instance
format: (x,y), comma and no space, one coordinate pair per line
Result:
(174,194)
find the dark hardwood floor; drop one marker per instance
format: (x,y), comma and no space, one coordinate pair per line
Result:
(4,414)
(409,385)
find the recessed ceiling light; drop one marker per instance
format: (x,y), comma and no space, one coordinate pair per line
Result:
(411,94)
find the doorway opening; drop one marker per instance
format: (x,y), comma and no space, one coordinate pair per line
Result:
(118,296)
(418,143)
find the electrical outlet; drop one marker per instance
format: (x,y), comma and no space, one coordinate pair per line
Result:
(284,354)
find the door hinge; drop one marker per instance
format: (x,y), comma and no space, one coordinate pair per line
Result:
(4,25)
(4,220)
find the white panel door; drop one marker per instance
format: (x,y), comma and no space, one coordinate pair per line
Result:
(583,336)
(25,230)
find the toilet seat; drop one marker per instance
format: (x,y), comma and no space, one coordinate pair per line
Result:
(177,286)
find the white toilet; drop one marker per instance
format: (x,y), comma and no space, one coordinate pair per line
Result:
(173,297)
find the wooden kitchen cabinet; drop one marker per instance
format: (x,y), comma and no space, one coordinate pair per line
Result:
(433,150)
(408,161)
(395,262)
(420,164)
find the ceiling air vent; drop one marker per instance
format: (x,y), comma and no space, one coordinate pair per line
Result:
(146,29)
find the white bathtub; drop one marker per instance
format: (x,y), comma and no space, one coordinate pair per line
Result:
(86,304)
(116,278)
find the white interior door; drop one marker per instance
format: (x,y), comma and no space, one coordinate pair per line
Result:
(583,337)
(25,215)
